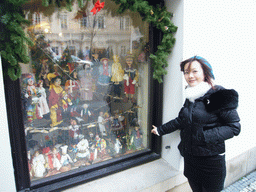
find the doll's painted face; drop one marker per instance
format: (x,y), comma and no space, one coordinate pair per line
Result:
(105,62)
(30,82)
(129,61)
(40,84)
(194,73)
(75,74)
(57,82)
(73,122)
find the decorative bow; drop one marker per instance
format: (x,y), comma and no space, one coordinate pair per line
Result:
(97,7)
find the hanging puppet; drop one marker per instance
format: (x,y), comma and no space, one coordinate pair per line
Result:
(117,76)
(131,77)
(72,88)
(58,102)
(43,107)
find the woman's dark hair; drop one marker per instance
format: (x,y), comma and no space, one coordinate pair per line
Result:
(207,70)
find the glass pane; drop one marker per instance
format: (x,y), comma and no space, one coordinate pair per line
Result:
(85,92)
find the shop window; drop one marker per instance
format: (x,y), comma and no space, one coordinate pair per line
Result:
(84,118)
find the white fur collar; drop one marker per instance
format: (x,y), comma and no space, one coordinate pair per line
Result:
(193,93)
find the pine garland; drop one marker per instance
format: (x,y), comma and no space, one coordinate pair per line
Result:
(14,42)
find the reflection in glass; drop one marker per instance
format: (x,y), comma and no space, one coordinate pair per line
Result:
(85,93)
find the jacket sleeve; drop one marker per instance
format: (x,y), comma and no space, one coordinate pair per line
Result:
(224,103)
(171,126)
(229,127)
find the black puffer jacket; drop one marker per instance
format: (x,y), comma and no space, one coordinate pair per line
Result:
(206,123)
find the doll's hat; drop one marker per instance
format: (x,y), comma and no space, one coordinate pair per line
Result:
(104,58)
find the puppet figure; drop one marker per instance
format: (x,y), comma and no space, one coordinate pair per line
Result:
(85,113)
(32,99)
(43,107)
(83,148)
(105,72)
(74,131)
(137,138)
(86,80)
(102,122)
(58,102)
(118,146)
(38,165)
(72,151)
(117,76)
(44,71)
(48,157)
(72,88)
(131,77)
(56,159)
(65,160)
(116,122)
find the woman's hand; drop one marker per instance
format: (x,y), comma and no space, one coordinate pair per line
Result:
(154,130)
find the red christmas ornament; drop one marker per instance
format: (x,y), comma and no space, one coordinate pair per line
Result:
(97,7)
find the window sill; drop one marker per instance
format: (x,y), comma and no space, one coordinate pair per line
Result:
(156,174)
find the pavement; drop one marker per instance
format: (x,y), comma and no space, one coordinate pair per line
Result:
(245,184)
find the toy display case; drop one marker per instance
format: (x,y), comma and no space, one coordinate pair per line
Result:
(85,104)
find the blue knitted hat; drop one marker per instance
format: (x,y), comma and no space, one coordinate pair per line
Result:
(206,63)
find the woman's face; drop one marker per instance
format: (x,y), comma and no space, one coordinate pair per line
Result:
(194,75)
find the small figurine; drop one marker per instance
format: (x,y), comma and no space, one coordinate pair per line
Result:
(44,71)
(74,131)
(101,122)
(72,151)
(32,99)
(116,122)
(86,80)
(72,87)
(85,113)
(118,146)
(65,160)
(56,159)
(104,72)
(117,76)
(38,162)
(48,157)
(137,137)
(43,107)
(83,148)
(58,102)
(131,77)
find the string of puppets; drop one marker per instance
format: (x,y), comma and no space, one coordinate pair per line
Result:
(70,132)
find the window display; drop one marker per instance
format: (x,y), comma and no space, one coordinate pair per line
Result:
(85,93)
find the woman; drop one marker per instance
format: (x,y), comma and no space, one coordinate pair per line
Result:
(206,120)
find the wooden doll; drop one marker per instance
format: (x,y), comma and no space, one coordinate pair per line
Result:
(131,77)
(43,107)
(104,72)
(38,162)
(56,159)
(74,131)
(72,87)
(86,83)
(101,122)
(85,113)
(65,160)
(117,76)
(58,102)
(32,99)
(83,148)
